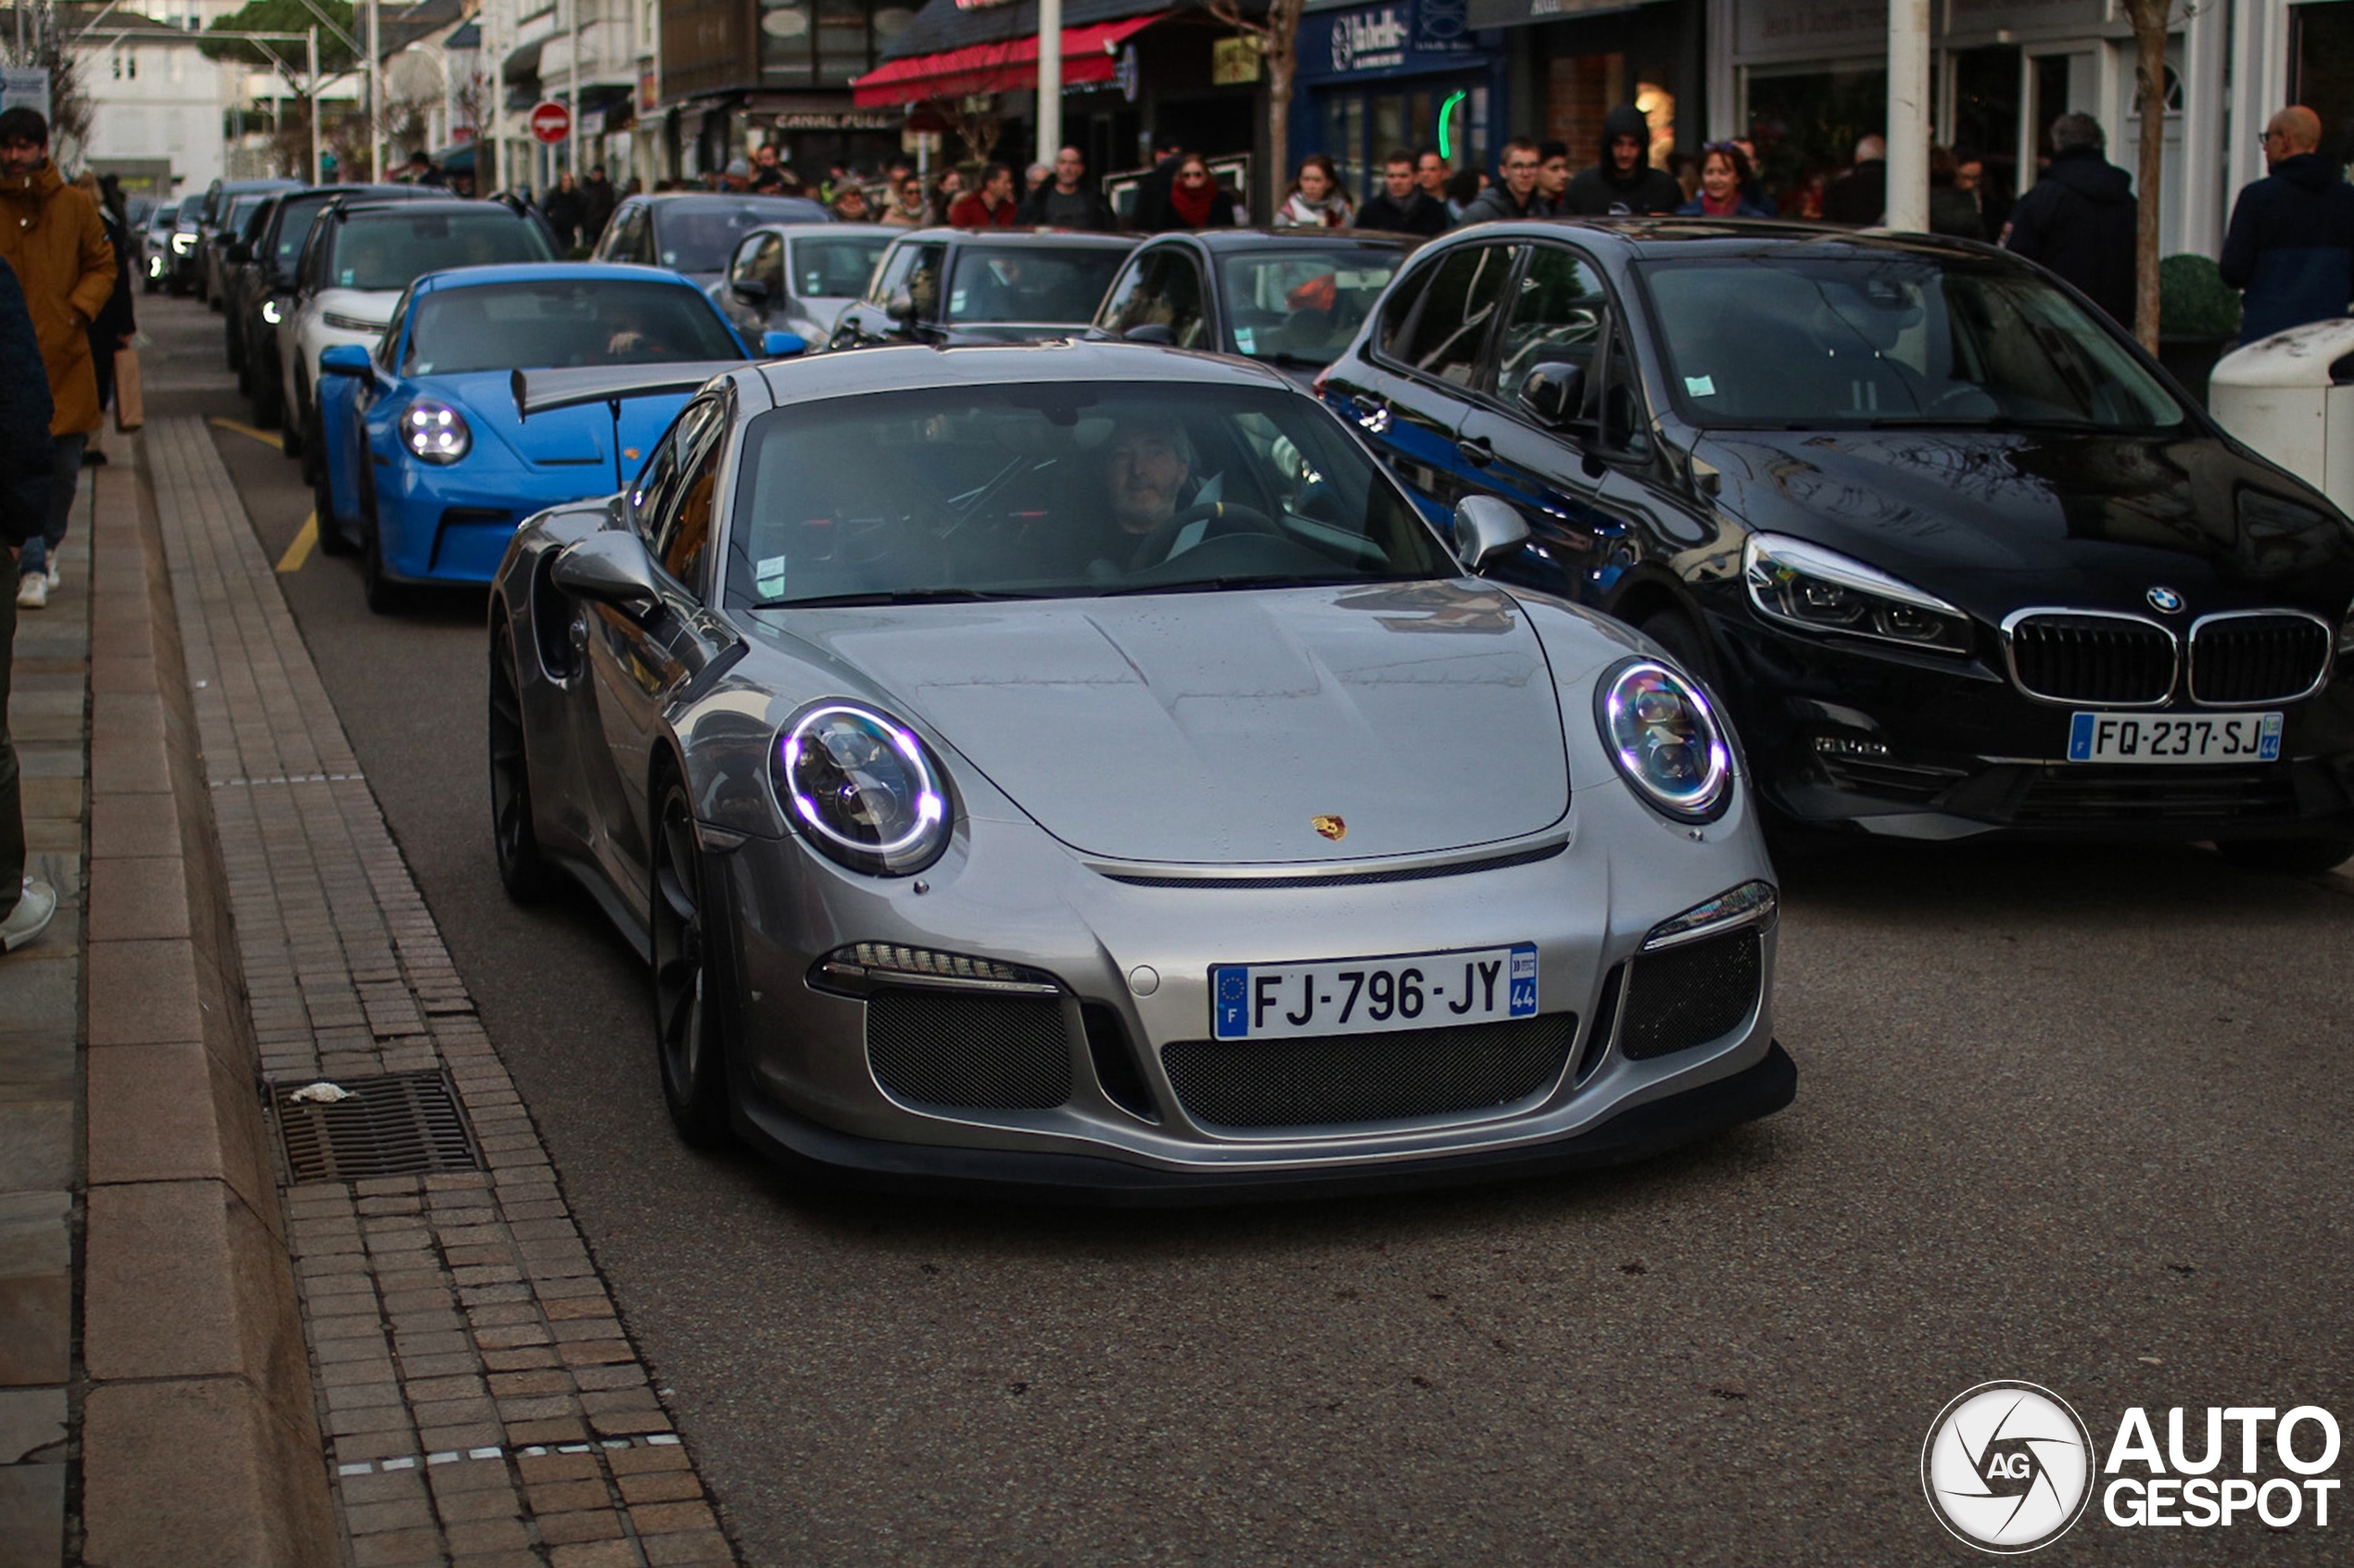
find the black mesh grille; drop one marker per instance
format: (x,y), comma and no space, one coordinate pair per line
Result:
(1331,1079)
(406,1124)
(974,1053)
(2108,795)
(1688,996)
(2256,658)
(1891,780)
(2093,658)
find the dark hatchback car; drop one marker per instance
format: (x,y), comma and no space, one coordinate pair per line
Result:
(1958,557)
(944,286)
(695,232)
(259,292)
(1291,298)
(204,218)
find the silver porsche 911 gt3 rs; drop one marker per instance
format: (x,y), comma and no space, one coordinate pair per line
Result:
(1077,769)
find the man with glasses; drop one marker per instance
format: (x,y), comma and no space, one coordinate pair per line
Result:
(1517,195)
(1623,184)
(2290,248)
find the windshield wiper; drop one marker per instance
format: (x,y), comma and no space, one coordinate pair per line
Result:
(893,596)
(1285,357)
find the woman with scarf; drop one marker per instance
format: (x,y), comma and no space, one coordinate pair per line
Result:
(1316,200)
(1724,186)
(1196,198)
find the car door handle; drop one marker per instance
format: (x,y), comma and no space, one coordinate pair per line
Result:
(1476,451)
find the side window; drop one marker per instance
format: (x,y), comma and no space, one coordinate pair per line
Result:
(629,236)
(658,481)
(926,266)
(769,264)
(1626,417)
(1398,310)
(1449,327)
(1123,307)
(388,346)
(1560,315)
(684,534)
(1181,288)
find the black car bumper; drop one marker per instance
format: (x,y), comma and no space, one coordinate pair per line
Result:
(822,1155)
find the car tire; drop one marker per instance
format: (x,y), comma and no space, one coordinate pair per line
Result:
(267,404)
(523,871)
(2294,857)
(690,1044)
(290,420)
(1678,633)
(323,508)
(384,596)
(235,351)
(309,457)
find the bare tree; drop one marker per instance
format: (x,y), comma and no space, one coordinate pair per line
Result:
(2148,18)
(47,48)
(980,129)
(1277,35)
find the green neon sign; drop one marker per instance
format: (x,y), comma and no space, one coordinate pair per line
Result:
(1446,119)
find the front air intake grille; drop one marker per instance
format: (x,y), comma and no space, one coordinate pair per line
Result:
(1687,996)
(1328,1080)
(2244,659)
(2105,795)
(2078,658)
(404,1124)
(968,1052)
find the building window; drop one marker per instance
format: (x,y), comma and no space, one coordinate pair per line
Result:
(823,43)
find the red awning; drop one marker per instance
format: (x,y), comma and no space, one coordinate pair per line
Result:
(1090,53)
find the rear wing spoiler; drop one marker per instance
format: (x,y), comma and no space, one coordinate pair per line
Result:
(541,390)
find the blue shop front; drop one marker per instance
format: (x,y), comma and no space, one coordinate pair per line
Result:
(1406,73)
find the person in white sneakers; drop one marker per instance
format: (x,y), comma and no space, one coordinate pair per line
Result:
(26,904)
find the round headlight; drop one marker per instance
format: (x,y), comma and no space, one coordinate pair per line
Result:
(862,790)
(1665,741)
(435,431)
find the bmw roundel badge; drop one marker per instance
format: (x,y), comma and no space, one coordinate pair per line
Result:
(2164,600)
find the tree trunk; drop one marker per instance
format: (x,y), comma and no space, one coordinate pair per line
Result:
(2149,32)
(1279,78)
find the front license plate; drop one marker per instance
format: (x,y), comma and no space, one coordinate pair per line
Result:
(2174,738)
(1373,995)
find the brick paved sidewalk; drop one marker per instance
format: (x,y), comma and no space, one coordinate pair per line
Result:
(480,1400)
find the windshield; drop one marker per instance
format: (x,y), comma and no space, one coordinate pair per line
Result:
(1062,489)
(564,321)
(1811,341)
(391,250)
(1030,282)
(241,212)
(835,267)
(699,236)
(1301,307)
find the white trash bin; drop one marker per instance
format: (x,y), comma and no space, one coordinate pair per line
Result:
(2291,397)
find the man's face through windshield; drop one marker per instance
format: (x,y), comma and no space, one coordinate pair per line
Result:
(1145,467)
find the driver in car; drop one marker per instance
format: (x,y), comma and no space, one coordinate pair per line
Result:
(1148,464)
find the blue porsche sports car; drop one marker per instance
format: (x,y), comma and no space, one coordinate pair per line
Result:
(450,468)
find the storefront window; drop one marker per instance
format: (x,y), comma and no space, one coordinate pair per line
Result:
(1806,123)
(2322,64)
(823,43)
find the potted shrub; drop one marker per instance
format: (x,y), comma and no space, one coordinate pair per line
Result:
(2199,315)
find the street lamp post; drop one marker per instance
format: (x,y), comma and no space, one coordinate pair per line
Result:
(1050,80)
(375,100)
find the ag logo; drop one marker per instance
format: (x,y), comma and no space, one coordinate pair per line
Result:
(2008,1467)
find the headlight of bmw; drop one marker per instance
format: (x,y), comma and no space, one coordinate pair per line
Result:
(1804,585)
(1667,741)
(435,431)
(862,790)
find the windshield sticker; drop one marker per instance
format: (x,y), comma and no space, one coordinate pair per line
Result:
(1701,385)
(1245,340)
(347,275)
(769,576)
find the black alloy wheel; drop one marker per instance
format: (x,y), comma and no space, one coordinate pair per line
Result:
(384,596)
(235,350)
(688,1036)
(290,420)
(523,871)
(268,407)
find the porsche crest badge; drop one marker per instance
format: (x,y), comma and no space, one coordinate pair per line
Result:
(1332,828)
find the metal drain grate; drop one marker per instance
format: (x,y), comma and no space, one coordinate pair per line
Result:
(404,1124)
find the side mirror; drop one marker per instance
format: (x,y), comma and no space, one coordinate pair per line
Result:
(1484,528)
(239,253)
(1554,393)
(901,307)
(783,345)
(346,358)
(609,567)
(752,291)
(1152,332)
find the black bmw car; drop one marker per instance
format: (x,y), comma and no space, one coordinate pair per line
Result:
(1957,554)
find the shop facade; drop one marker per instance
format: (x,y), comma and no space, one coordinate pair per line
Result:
(1575,60)
(1403,74)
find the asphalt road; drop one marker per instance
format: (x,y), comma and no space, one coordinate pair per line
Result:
(2075,1118)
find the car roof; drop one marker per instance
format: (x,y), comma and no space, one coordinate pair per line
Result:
(1059,238)
(907,367)
(1286,239)
(1648,238)
(795,231)
(544,272)
(446,205)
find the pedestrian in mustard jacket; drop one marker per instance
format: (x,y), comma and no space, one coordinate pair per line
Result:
(51,234)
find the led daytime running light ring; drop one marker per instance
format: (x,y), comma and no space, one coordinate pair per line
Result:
(1705,799)
(931,805)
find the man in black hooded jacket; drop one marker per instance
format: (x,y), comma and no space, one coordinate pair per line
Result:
(2291,243)
(2078,219)
(1624,183)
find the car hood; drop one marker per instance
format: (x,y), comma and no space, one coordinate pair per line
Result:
(575,437)
(1216,729)
(1996,520)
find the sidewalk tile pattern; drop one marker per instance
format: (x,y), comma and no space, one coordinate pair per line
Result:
(448,1315)
(40,1071)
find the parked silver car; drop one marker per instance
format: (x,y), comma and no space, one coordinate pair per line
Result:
(1078,769)
(798,277)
